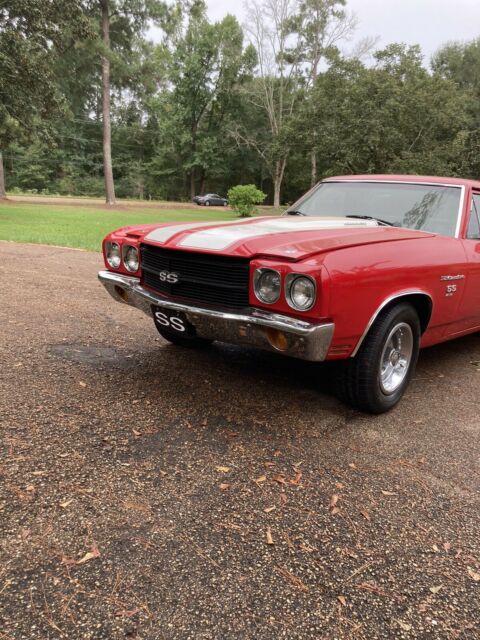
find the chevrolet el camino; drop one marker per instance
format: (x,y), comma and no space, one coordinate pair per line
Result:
(362,270)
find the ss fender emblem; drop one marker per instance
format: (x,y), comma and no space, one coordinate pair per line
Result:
(168,276)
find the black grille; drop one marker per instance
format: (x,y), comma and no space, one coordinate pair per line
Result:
(203,278)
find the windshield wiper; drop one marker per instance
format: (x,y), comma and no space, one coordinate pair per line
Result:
(295,212)
(384,222)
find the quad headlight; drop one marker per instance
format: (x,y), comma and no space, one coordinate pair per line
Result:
(113,254)
(267,285)
(130,258)
(300,291)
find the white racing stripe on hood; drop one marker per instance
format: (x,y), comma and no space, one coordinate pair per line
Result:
(220,238)
(163,234)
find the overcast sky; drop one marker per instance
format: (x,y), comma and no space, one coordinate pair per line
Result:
(429,23)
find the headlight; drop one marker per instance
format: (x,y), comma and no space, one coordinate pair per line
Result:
(267,285)
(301,292)
(130,258)
(113,256)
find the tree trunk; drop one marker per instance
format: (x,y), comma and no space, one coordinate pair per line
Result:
(3,193)
(313,161)
(277,181)
(192,184)
(107,128)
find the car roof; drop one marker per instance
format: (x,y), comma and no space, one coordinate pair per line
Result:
(457,182)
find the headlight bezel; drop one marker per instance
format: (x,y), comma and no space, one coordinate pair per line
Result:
(110,247)
(258,275)
(290,280)
(125,250)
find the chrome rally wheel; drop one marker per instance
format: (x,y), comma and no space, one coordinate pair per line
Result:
(396,358)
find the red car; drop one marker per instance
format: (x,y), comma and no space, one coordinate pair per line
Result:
(363,270)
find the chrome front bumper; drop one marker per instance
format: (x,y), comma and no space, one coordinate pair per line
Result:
(305,340)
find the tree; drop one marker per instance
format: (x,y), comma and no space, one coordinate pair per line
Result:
(320,25)
(205,65)
(32,32)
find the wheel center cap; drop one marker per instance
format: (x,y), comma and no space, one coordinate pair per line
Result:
(394,358)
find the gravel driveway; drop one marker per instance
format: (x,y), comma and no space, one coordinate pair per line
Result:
(153,492)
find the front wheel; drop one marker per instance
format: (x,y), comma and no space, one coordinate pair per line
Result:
(377,377)
(207,203)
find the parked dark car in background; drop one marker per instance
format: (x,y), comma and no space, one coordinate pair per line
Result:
(208,199)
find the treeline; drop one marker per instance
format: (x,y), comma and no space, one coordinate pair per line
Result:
(210,105)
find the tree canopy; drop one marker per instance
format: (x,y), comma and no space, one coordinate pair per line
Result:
(206,105)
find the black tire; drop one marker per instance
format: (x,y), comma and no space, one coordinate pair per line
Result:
(207,203)
(183,341)
(359,381)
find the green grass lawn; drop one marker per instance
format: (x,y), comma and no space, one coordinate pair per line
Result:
(85,227)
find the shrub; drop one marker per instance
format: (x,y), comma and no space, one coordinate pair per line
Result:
(244,197)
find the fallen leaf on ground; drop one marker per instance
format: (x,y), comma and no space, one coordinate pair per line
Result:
(65,504)
(268,465)
(333,501)
(342,600)
(352,465)
(39,473)
(296,480)
(82,384)
(224,486)
(473,574)
(365,514)
(269,509)
(260,479)
(389,493)
(221,469)
(436,589)
(90,555)
(435,548)
(280,479)
(136,433)
(269,536)
(447,546)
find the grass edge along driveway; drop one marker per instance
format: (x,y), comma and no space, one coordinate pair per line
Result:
(85,227)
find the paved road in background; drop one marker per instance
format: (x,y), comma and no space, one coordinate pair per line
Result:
(149,491)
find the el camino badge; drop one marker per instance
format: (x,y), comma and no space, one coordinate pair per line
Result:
(451,289)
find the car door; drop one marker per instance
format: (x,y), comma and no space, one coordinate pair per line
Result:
(469,311)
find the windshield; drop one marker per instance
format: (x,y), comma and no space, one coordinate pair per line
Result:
(431,208)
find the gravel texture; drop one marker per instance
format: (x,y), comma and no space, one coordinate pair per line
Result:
(153,492)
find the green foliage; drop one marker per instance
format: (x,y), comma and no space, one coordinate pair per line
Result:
(203,109)
(243,199)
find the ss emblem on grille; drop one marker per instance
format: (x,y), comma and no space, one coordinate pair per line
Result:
(168,276)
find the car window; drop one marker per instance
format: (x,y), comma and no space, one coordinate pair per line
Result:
(473,232)
(427,207)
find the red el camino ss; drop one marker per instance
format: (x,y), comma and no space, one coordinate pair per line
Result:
(362,269)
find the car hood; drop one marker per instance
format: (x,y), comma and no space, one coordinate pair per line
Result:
(288,237)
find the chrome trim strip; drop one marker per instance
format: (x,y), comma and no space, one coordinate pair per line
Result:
(401,294)
(307,341)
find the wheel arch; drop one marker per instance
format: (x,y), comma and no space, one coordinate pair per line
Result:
(420,300)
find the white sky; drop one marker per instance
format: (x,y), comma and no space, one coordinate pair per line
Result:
(429,23)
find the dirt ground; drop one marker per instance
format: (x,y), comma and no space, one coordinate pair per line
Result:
(152,492)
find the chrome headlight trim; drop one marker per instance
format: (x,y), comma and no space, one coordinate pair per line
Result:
(113,254)
(257,276)
(290,280)
(125,249)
